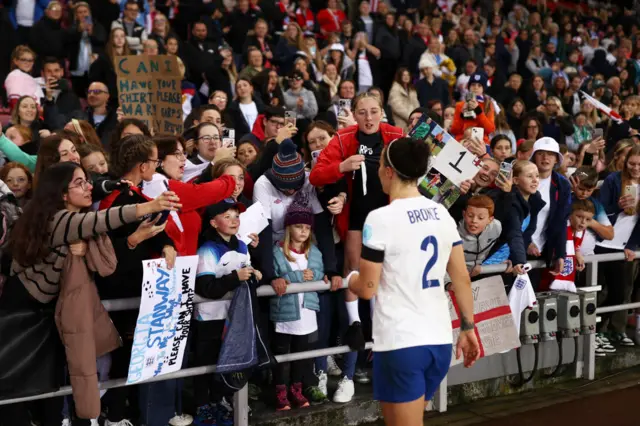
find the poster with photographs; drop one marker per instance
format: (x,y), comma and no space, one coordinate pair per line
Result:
(429,131)
(438,188)
(450,165)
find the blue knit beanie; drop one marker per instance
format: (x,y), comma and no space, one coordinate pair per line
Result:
(287,169)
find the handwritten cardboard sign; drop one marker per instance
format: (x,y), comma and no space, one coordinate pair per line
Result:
(494,325)
(149,89)
(164,320)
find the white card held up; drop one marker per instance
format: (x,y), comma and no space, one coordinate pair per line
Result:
(456,163)
(252,221)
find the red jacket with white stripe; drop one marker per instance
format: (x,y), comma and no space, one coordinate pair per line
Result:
(343,145)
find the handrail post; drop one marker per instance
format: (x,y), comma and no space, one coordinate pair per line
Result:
(241,407)
(589,341)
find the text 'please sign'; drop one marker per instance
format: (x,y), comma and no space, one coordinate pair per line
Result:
(149,90)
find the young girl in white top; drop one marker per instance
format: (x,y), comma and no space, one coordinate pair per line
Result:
(297,260)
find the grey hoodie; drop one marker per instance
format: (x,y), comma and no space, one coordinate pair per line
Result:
(477,247)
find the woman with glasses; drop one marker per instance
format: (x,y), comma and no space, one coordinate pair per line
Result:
(193,197)
(532,129)
(20,82)
(137,162)
(208,142)
(39,256)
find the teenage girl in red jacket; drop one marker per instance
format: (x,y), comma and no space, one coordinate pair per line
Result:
(354,154)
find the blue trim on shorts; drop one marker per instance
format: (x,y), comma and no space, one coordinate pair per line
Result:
(404,375)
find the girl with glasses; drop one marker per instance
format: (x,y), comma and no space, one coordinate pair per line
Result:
(20,82)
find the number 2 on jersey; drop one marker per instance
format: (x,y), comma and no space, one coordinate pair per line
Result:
(430,241)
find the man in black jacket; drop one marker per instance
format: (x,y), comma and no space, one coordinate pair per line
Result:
(416,47)
(240,22)
(47,35)
(60,103)
(82,40)
(431,87)
(213,20)
(200,54)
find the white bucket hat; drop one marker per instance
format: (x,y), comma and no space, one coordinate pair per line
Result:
(547,144)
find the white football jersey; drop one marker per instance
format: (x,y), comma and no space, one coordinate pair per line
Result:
(413,237)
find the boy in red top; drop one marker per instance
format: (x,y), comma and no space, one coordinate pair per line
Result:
(582,212)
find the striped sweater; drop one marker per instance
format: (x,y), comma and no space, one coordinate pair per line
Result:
(42,280)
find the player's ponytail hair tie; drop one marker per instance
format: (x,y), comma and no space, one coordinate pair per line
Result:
(388,154)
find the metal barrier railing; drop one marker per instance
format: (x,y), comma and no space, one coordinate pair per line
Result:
(241,417)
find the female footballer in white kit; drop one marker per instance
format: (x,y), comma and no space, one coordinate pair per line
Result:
(407,248)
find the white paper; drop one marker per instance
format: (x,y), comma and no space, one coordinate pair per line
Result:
(154,189)
(204,89)
(252,221)
(162,328)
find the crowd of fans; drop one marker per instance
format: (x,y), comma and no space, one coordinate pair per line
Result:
(545,93)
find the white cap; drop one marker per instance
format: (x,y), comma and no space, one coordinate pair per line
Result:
(547,144)
(337,46)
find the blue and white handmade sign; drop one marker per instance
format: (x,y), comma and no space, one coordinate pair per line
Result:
(163,323)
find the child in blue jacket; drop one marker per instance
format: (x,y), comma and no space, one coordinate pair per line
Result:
(297,260)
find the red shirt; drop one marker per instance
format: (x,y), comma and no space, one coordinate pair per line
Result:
(331,20)
(343,145)
(194,198)
(305,19)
